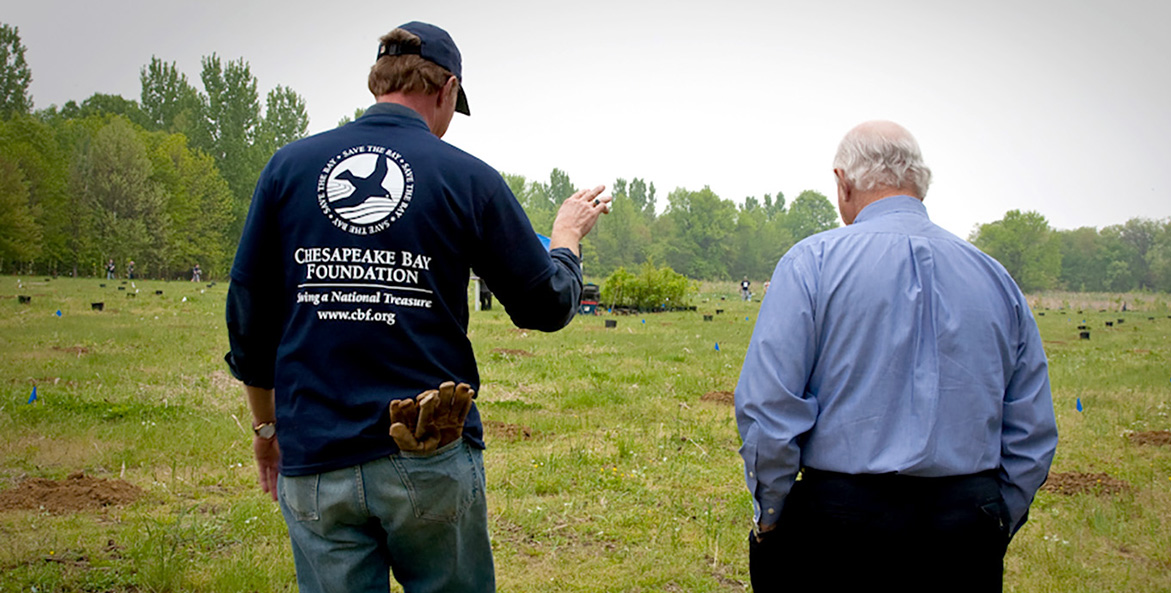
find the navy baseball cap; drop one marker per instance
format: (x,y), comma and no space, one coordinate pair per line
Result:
(437,47)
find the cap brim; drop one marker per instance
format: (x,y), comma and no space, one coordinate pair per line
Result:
(461,103)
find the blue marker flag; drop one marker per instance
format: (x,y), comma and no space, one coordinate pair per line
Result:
(58,312)
(717,346)
(1079,404)
(32,398)
(644,322)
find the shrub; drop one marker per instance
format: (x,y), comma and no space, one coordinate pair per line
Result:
(653,288)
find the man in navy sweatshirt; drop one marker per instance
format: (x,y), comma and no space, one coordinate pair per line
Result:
(349,293)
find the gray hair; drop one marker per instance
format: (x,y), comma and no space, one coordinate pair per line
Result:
(882,154)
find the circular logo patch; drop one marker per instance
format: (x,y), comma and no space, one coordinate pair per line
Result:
(364,189)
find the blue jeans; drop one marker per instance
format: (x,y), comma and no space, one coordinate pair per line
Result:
(424,517)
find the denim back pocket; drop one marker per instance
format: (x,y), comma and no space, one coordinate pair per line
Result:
(441,485)
(300,496)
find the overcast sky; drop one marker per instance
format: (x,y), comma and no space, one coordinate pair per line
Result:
(1063,107)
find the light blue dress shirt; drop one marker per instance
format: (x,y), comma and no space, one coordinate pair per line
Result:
(891,345)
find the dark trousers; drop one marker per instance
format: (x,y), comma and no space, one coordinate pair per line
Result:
(842,532)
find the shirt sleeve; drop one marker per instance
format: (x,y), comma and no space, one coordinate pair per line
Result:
(253,309)
(253,336)
(1028,438)
(540,289)
(773,410)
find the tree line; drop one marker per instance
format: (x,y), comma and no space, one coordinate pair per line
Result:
(703,236)
(166,180)
(697,234)
(1125,257)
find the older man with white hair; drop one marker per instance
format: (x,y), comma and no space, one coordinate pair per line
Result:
(894,403)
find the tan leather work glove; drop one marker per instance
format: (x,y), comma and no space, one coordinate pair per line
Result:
(433,419)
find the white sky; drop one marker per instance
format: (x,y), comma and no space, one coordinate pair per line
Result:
(1063,107)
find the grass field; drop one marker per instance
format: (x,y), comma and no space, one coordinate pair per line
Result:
(608,468)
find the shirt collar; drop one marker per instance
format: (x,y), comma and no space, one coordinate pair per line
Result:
(394,109)
(892,204)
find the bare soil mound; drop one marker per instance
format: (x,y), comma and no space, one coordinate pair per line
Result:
(1151,437)
(720,397)
(78,492)
(508,432)
(1078,482)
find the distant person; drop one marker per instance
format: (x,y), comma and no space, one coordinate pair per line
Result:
(110,270)
(745,293)
(348,315)
(130,270)
(196,273)
(485,296)
(899,370)
(766,285)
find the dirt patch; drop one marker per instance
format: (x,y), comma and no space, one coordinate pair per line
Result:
(1151,437)
(720,397)
(78,492)
(508,432)
(78,350)
(511,352)
(720,573)
(223,382)
(1077,483)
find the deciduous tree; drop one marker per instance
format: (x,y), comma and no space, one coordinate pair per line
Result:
(169,102)
(698,227)
(810,213)
(1025,245)
(228,128)
(127,209)
(286,118)
(32,146)
(15,75)
(20,236)
(198,206)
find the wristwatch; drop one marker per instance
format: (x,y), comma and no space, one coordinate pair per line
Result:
(265,430)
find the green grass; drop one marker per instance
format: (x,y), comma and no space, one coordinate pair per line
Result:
(628,482)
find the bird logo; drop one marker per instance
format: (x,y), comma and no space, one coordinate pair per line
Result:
(366,191)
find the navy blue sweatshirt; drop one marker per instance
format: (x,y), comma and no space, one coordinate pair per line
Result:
(349,287)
